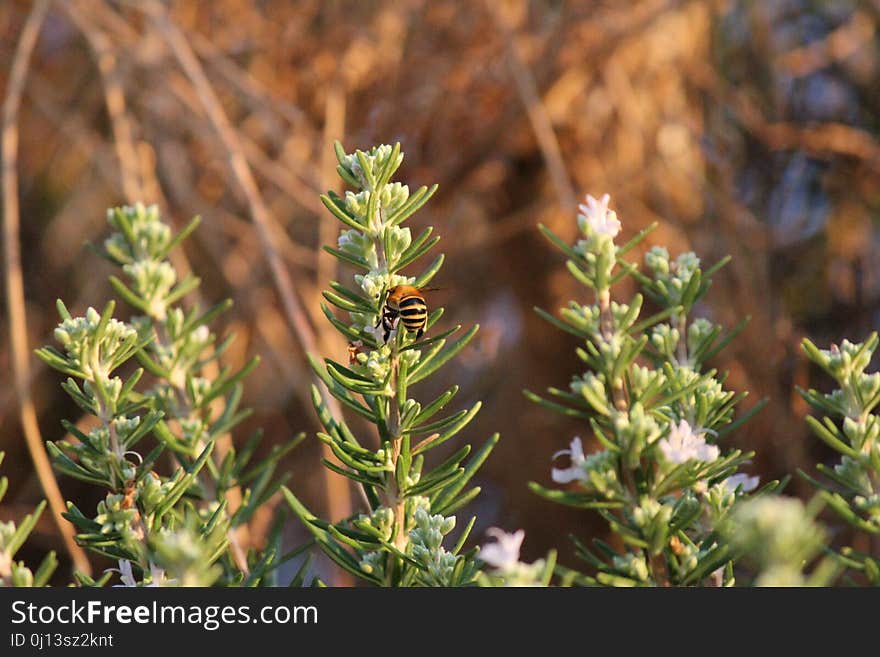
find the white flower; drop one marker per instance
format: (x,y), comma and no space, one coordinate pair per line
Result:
(504,554)
(377,331)
(125,573)
(596,215)
(576,471)
(157,577)
(684,444)
(748,483)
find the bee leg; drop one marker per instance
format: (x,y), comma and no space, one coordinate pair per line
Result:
(389,321)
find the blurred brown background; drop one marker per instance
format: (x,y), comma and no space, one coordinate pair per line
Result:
(746,128)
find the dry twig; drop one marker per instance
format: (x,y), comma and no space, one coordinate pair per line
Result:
(338,500)
(15,284)
(537,112)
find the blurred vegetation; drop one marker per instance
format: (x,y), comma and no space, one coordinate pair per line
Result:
(745,128)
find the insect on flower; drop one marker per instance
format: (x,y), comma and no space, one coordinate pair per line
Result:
(405,303)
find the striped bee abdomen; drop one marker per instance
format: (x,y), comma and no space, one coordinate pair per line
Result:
(404,303)
(414,314)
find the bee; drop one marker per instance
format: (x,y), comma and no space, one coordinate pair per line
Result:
(404,303)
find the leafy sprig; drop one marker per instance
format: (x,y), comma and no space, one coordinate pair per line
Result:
(398,540)
(659,479)
(162,529)
(12,538)
(849,425)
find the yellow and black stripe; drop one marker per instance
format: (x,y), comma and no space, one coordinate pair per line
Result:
(414,313)
(404,303)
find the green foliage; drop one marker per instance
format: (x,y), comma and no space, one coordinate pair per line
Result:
(12,537)
(850,427)
(660,478)
(779,536)
(681,508)
(165,529)
(398,540)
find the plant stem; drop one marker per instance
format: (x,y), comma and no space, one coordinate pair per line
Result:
(657,562)
(117,450)
(395,500)
(682,351)
(392,497)
(392,492)
(381,258)
(606,326)
(659,571)
(12,273)
(186,410)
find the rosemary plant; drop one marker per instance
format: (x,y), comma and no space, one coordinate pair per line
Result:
(12,537)
(849,425)
(660,478)
(399,538)
(173,529)
(779,536)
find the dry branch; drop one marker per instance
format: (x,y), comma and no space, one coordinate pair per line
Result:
(15,284)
